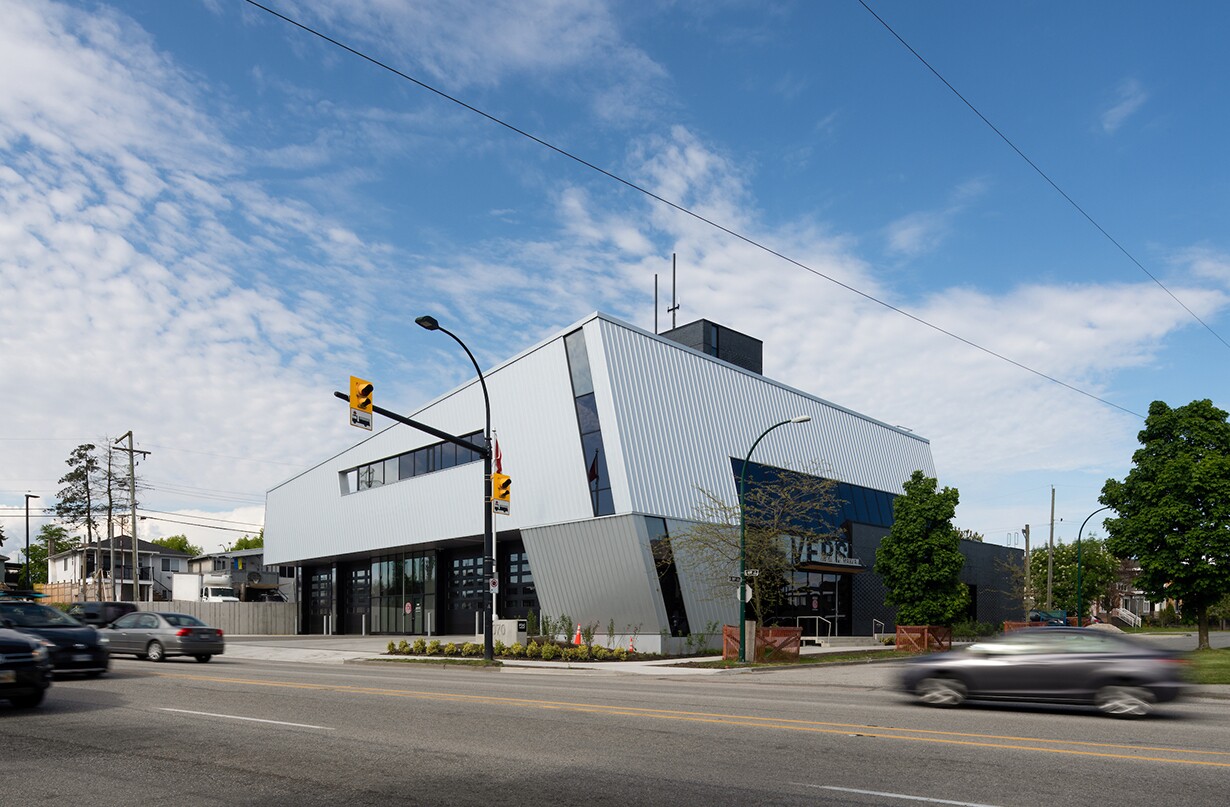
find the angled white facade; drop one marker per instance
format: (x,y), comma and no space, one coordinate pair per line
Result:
(609,433)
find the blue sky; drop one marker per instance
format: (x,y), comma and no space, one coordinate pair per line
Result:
(209,219)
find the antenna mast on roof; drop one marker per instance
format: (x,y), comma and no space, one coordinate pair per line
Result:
(674,300)
(655,303)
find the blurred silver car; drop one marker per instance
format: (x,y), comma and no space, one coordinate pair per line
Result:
(1120,676)
(155,635)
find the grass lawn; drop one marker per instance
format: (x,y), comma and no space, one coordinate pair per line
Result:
(853,656)
(1210,666)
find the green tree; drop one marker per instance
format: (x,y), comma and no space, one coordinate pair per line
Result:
(50,536)
(1174,508)
(249,542)
(75,503)
(179,543)
(970,535)
(920,560)
(1221,611)
(1098,571)
(788,515)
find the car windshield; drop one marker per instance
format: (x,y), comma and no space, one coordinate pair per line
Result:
(31,615)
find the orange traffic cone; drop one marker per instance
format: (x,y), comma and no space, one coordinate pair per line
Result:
(631,645)
(577,639)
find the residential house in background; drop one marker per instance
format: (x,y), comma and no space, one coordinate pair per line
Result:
(96,572)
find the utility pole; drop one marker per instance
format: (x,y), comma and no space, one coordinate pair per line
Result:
(1029,589)
(132,501)
(1050,555)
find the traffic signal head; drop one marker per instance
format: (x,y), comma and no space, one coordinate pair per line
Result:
(501,487)
(360,394)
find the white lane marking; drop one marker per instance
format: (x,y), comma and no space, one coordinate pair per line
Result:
(252,719)
(898,796)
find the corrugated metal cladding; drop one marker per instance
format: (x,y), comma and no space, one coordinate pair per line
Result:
(534,416)
(597,570)
(705,604)
(680,416)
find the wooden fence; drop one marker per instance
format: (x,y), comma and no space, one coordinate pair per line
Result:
(923,638)
(768,644)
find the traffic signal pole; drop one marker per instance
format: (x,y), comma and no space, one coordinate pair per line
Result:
(429,323)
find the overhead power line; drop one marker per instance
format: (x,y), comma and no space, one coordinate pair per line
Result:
(205,518)
(192,524)
(1040,172)
(680,208)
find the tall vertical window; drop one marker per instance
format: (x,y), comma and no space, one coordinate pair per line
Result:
(593,454)
(668,576)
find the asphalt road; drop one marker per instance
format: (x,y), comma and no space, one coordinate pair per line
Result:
(251,732)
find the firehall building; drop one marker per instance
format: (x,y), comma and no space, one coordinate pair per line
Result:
(610,434)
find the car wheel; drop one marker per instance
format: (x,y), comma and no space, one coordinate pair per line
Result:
(154,652)
(1123,701)
(204,657)
(941,692)
(28,701)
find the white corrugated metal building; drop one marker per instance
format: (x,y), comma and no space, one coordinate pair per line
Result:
(609,433)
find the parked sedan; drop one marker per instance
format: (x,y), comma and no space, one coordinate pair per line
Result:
(25,668)
(78,648)
(155,635)
(1120,676)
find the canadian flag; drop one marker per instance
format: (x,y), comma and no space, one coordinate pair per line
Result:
(499,458)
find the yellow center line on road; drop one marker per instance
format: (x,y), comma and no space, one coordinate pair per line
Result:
(1040,744)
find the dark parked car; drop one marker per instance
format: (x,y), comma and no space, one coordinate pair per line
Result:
(158,634)
(25,668)
(100,613)
(78,648)
(1120,676)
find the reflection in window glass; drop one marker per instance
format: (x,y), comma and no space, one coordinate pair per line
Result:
(587,414)
(578,363)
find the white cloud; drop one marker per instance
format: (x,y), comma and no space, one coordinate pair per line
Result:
(1205,262)
(917,233)
(925,231)
(1130,96)
(480,43)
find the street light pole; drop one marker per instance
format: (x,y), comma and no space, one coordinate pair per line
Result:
(743,534)
(29,496)
(1080,612)
(430,323)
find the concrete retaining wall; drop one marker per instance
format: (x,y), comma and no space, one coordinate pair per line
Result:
(236,618)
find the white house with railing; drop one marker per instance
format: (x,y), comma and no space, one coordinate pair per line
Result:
(104,571)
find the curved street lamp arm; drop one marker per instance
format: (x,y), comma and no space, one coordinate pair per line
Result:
(1080,612)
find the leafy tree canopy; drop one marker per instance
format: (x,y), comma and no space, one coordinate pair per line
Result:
(1174,507)
(920,560)
(249,542)
(179,543)
(1098,572)
(51,535)
(75,502)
